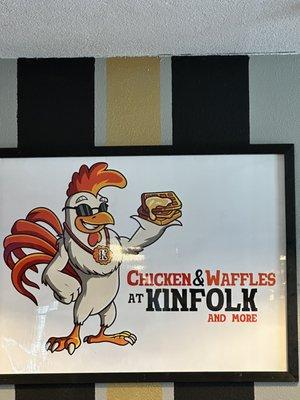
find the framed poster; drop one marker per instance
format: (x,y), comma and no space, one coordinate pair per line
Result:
(148,264)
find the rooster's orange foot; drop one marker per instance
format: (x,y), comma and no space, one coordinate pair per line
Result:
(120,339)
(69,343)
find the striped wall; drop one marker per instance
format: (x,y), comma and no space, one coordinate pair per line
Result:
(142,101)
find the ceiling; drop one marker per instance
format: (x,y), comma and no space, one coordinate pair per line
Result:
(101,28)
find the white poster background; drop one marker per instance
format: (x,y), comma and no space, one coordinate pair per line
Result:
(233,219)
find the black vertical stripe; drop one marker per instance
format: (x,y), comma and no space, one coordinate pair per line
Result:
(210,100)
(55,392)
(214,391)
(210,97)
(56,111)
(56,103)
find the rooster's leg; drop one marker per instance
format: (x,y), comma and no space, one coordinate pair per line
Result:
(107,318)
(120,339)
(70,343)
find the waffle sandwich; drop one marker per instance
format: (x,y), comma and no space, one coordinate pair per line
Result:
(160,207)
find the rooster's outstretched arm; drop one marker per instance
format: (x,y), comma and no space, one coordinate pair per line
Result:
(66,289)
(146,234)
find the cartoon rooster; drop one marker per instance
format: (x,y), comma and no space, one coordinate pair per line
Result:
(82,262)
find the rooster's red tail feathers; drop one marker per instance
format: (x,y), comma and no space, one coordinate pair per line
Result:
(31,235)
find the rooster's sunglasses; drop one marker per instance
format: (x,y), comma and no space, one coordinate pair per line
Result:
(84,210)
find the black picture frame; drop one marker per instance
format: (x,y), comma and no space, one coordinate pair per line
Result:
(292,374)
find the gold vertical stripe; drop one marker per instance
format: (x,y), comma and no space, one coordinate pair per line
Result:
(134,391)
(133,118)
(133,101)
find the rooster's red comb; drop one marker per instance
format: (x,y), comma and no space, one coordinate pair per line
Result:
(95,178)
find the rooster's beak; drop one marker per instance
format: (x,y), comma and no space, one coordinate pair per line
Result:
(94,223)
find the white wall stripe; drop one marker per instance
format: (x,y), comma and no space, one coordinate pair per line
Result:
(7,392)
(166,100)
(8,103)
(168,391)
(100,102)
(100,391)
